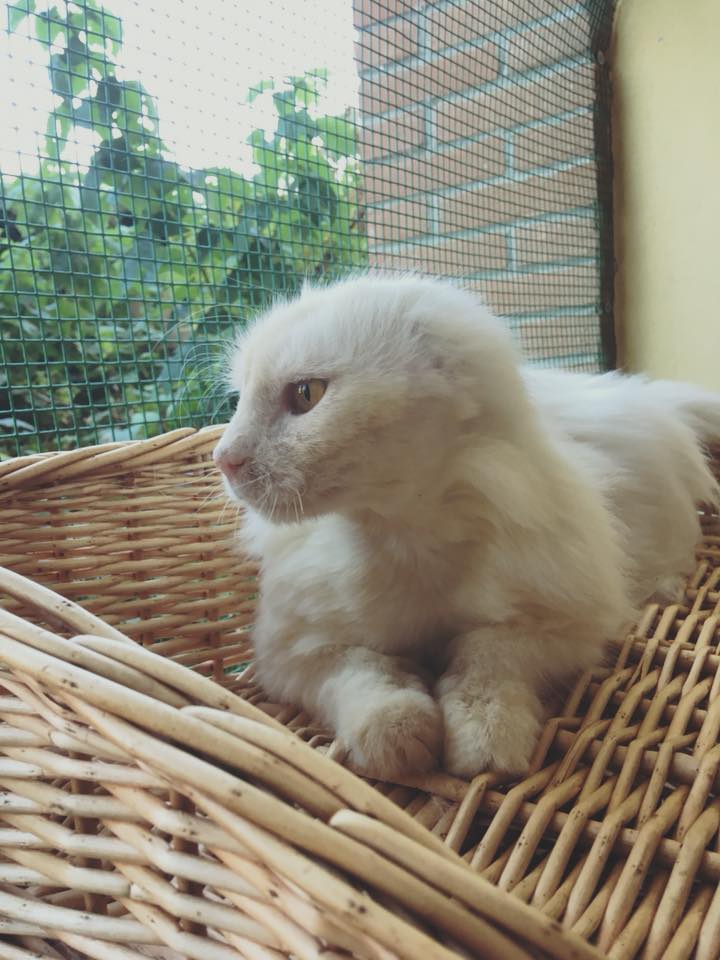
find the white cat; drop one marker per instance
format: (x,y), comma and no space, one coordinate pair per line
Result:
(420,501)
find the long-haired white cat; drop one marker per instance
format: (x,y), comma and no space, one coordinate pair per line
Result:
(422,502)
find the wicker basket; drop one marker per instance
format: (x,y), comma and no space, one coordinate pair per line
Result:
(153,804)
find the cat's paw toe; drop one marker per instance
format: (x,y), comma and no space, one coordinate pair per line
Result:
(481,736)
(669,590)
(402,735)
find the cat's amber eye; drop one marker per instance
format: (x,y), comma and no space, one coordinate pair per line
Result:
(305,394)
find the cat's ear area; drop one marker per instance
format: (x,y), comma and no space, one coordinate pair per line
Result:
(433,353)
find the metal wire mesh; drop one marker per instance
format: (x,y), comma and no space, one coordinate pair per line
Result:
(468,139)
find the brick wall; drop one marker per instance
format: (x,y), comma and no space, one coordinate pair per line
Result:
(479,147)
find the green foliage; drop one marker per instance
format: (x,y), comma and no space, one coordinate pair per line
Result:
(120,278)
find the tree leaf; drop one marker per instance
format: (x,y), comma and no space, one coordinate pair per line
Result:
(297,125)
(50,25)
(338,136)
(110,259)
(315,198)
(17,12)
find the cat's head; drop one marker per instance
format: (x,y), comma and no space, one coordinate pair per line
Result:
(358,396)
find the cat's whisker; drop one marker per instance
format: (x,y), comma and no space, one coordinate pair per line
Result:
(237,507)
(208,499)
(263,499)
(225,506)
(263,475)
(249,483)
(234,504)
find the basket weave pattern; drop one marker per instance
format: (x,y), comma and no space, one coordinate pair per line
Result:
(148,809)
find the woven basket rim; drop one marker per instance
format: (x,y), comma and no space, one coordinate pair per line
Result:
(103,459)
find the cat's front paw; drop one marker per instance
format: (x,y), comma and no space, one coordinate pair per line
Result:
(401,734)
(487,734)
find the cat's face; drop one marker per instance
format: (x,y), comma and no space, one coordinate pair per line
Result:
(353,397)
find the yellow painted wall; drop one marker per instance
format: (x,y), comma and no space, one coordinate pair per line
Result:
(666,145)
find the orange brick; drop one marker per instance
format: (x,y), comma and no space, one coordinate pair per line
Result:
(560,337)
(539,46)
(437,78)
(433,171)
(514,200)
(457,257)
(506,108)
(554,240)
(551,143)
(399,135)
(397,221)
(387,42)
(368,12)
(451,26)
(531,292)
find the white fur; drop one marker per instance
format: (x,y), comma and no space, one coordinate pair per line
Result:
(444,508)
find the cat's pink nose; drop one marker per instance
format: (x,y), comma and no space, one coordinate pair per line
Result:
(227,462)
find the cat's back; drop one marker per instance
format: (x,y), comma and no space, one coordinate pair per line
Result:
(648,431)
(637,443)
(610,408)
(591,407)
(606,422)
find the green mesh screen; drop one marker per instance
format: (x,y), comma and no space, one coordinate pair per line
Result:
(168,168)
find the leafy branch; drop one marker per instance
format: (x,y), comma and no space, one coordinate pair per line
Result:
(121,276)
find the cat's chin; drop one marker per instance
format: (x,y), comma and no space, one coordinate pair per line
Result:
(267,505)
(279,511)
(292,511)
